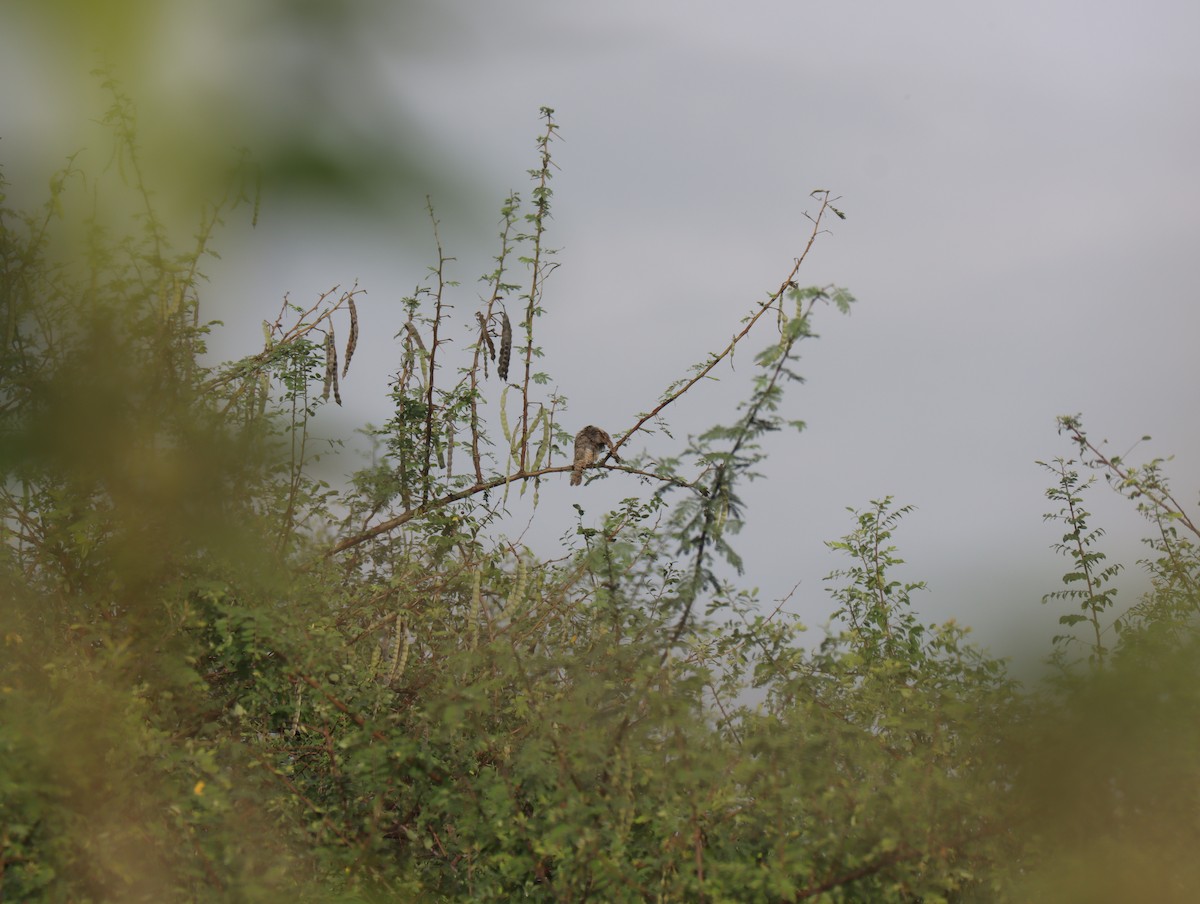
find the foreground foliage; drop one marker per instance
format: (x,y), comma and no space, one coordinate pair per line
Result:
(223,680)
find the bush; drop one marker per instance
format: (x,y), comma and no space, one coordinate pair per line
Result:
(225,680)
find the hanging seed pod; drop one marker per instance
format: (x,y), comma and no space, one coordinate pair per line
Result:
(414,335)
(547,440)
(516,596)
(330,367)
(485,336)
(352,342)
(400,643)
(331,377)
(505,346)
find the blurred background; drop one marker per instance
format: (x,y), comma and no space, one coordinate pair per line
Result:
(1021,184)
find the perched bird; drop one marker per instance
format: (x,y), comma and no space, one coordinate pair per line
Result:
(589,443)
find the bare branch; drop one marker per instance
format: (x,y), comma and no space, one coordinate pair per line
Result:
(769,304)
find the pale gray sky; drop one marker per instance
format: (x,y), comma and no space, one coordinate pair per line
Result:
(1021,181)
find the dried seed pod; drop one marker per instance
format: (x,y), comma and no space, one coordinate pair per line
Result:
(331,377)
(399,649)
(414,335)
(330,368)
(352,342)
(505,346)
(485,336)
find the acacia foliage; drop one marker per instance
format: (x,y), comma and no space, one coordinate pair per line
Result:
(224,680)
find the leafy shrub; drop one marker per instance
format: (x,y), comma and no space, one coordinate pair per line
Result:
(225,680)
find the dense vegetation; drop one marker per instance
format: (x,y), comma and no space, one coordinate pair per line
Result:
(224,680)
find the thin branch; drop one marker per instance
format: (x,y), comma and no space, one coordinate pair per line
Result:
(482,487)
(765,306)
(541,203)
(297,331)
(1163,500)
(722,475)
(433,347)
(497,283)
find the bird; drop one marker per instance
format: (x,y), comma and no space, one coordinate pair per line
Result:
(589,442)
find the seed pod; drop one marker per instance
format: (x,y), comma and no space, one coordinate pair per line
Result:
(414,335)
(352,342)
(485,336)
(331,377)
(400,643)
(330,371)
(516,596)
(505,346)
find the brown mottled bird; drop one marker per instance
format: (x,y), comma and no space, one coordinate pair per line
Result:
(589,442)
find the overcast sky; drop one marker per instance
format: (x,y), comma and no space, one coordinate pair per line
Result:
(1021,182)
